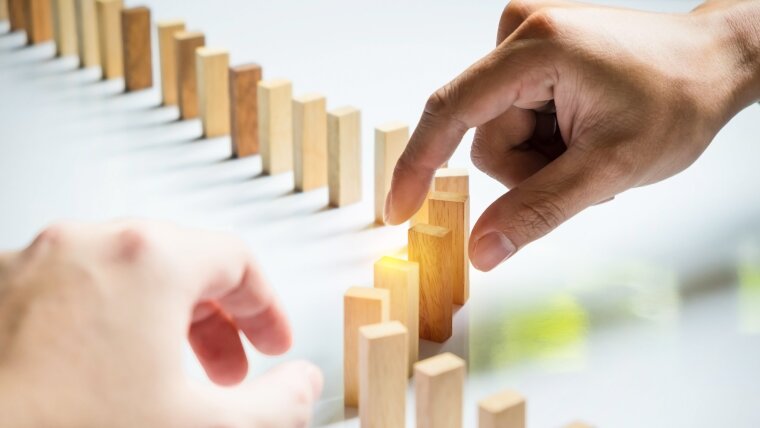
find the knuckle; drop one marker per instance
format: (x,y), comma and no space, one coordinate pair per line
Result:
(52,235)
(544,22)
(442,106)
(516,9)
(132,242)
(541,214)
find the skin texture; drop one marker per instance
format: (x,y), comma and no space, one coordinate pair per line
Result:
(578,103)
(94,320)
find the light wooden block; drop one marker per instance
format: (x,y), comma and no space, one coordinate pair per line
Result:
(503,410)
(168,58)
(276,125)
(109,31)
(431,246)
(87,34)
(452,211)
(439,391)
(422,215)
(185,45)
(344,156)
(361,306)
(3,10)
(39,21)
(382,375)
(578,424)
(17,14)
(310,142)
(64,25)
(137,48)
(244,109)
(454,180)
(402,279)
(214,91)
(390,142)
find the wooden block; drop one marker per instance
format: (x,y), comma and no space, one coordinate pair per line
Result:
(344,156)
(87,34)
(137,48)
(454,180)
(390,141)
(168,58)
(382,375)
(503,410)
(17,14)
(244,112)
(361,306)
(423,214)
(430,246)
(578,424)
(402,279)
(439,388)
(452,211)
(3,10)
(213,91)
(185,45)
(39,21)
(310,142)
(275,125)
(109,31)
(65,28)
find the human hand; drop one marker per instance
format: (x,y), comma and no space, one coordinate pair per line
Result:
(579,103)
(94,318)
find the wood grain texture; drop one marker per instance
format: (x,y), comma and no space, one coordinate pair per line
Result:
(168,59)
(439,390)
(65,28)
(503,410)
(402,279)
(344,156)
(17,14)
(244,109)
(423,214)
(454,180)
(3,10)
(382,375)
(452,211)
(275,125)
(185,45)
(213,91)
(390,141)
(137,48)
(87,34)
(310,142)
(430,246)
(109,31)
(361,306)
(39,21)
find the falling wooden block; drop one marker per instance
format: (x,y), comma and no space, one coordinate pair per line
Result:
(503,410)
(136,45)
(39,21)
(3,10)
(87,34)
(454,180)
(109,31)
(310,142)
(168,58)
(344,156)
(361,306)
(213,91)
(439,390)
(65,28)
(402,279)
(17,14)
(431,246)
(244,112)
(390,141)
(276,125)
(382,375)
(185,45)
(452,211)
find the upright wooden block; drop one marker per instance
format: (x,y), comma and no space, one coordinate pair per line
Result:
(109,31)
(17,14)
(361,306)
(39,21)
(344,156)
(64,25)
(137,48)
(402,279)
(87,34)
(186,43)
(431,246)
(382,375)
(390,141)
(454,180)
(3,10)
(503,410)
(310,142)
(276,125)
(214,91)
(439,390)
(452,211)
(168,58)
(423,214)
(244,109)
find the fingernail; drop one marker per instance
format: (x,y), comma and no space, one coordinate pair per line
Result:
(314,374)
(387,209)
(491,250)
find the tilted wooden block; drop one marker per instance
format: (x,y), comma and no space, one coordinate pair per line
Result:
(136,45)
(439,390)
(276,125)
(452,211)
(310,142)
(361,306)
(87,34)
(382,375)
(431,246)
(168,57)
(454,180)
(390,142)
(109,32)
(64,25)
(214,91)
(503,410)
(17,14)
(39,21)
(185,45)
(402,279)
(3,10)
(244,111)
(344,156)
